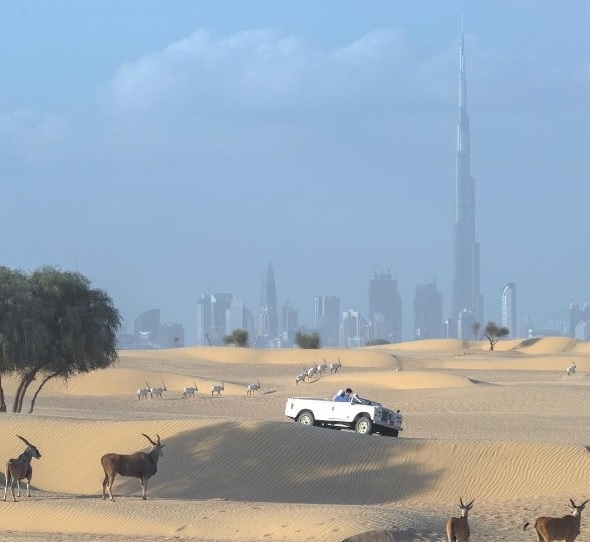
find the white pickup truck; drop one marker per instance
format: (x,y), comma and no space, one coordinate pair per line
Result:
(364,416)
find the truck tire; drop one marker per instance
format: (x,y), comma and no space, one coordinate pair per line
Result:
(364,426)
(306,418)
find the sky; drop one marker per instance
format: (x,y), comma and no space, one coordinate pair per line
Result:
(170,148)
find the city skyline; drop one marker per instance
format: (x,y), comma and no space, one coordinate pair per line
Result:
(169,150)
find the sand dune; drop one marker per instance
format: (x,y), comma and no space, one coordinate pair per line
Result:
(508,428)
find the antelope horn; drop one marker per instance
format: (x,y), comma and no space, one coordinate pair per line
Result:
(24,440)
(151,441)
(461,502)
(472,501)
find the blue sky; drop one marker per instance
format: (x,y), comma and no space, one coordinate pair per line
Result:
(165,149)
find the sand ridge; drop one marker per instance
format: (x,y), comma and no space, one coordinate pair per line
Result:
(478,424)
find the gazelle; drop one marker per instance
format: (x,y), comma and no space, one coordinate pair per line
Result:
(142,393)
(566,528)
(157,392)
(142,465)
(335,366)
(458,528)
(217,388)
(300,378)
(253,387)
(20,468)
(190,390)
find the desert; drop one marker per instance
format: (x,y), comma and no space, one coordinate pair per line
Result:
(508,428)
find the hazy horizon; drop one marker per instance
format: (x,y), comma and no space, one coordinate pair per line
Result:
(166,150)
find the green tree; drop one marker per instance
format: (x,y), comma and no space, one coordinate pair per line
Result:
(493,333)
(66,327)
(475,327)
(238,337)
(308,342)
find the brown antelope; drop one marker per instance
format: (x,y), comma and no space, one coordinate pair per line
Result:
(458,528)
(142,465)
(566,528)
(20,468)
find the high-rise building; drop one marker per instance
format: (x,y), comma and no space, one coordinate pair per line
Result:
(289,324)
(428,312)
(211,318)
(268,321)
(466,251)
(352,327)
(385,308)
(237,316)
(509,320)
(327,319)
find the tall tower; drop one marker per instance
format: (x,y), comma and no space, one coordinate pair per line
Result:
(269,315)
(509,309)
(466,254)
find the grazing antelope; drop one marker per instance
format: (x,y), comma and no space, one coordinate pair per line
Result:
(253,387)
(335,366)
(190,390)
(142,465)
(322,368)
(300,378)
(217,388)
(566,528)
(142,393)
(458,528)
(20,468)
(157,392)
(571,370)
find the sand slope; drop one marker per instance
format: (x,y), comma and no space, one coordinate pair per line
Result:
(507,428)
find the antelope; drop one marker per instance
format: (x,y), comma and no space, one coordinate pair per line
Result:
(253,387)
(322,367)
(312,371)
(217,388)
(458,528)
(335,366)
(190,390)
(142,465)
(571,370)
(300,378)
(566,528)
(20,468)
(142,392)
(157,392)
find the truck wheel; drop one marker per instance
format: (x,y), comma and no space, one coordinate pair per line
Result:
(364,426)
(306,418)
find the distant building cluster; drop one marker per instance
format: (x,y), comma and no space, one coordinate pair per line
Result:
(271,326)
(150,332)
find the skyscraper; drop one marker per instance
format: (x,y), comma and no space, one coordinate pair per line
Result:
(327,319)
(385,308)
(211,318)
(466,252)
(428,312)
(509,309)
(268,322)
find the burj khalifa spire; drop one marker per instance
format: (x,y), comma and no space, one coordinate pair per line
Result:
(467,299)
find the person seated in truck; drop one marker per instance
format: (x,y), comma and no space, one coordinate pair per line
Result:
(343,396)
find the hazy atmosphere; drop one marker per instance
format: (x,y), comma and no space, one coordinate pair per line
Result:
(167,149)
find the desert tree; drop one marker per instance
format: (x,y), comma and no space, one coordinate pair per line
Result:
(67,327)
(238,337)
(308,341)
(493,333)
